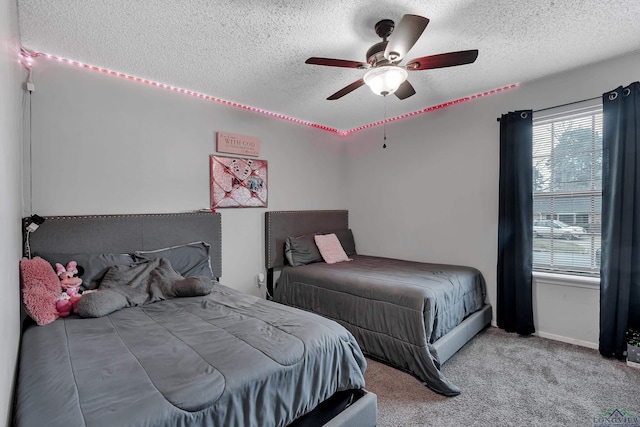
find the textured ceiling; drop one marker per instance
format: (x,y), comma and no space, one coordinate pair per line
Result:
(253,51)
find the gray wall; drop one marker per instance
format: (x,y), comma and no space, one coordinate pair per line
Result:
(11,76)
(105,145)
(433,193)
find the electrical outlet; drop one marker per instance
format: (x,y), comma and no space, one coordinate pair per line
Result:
(260,278)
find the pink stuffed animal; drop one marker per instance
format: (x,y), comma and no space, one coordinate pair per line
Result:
(68,300)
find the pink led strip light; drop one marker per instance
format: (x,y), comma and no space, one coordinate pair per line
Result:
(27,61)
(428,109)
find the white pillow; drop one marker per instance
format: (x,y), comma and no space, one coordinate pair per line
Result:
(330,248)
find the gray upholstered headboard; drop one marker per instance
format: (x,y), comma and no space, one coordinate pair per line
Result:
(129,233)
(281,224)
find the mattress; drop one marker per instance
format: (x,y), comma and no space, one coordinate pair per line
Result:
(396,309)
(226,359)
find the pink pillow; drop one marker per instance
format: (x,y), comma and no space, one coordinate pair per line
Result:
(330,248)
(40,290)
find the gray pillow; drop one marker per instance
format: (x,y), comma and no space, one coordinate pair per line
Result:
(94,265)
(101,303)
(301,250)
(142,283)
(189,260)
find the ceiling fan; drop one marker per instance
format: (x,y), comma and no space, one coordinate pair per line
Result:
(385,76)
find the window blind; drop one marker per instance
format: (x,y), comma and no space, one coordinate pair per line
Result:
(567,192)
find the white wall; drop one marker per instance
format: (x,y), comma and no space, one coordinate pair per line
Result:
(11,76)
(567,310)
(432,195)
(106,145)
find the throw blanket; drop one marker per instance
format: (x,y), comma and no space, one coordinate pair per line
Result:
(139,284)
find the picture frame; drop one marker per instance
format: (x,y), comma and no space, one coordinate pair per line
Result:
(237,182)
(233,143)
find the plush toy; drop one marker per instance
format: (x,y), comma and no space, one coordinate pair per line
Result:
(70,282)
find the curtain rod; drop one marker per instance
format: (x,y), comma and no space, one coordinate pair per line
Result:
(564,105)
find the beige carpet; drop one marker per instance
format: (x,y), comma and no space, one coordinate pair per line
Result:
(507,380)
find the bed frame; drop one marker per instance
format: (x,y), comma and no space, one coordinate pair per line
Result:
(128,233)
(281,224)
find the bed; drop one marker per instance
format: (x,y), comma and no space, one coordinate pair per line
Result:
(220,359)
(413,316)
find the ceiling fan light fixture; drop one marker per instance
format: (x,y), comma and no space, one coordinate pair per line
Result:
(385,80)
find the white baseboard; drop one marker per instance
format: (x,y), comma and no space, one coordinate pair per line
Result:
(633,364)
(560,338)
(568,340)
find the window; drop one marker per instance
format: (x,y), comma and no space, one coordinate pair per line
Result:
(567,192)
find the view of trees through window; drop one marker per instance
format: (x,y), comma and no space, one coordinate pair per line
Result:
(567,192)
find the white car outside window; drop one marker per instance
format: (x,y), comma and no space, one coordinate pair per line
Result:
(557,229)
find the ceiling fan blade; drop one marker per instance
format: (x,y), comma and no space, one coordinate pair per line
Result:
(404,36)
(347,89)
(442,60)
(405,90)
(330,62)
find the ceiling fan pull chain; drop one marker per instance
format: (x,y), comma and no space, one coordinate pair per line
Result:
(384,123)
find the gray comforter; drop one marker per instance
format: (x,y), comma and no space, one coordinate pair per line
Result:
(396,309)
(225,359)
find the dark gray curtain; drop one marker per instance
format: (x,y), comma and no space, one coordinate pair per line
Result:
(620,256)
(515,223)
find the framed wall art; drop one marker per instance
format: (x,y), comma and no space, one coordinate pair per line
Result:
(238,182)
(234,143)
